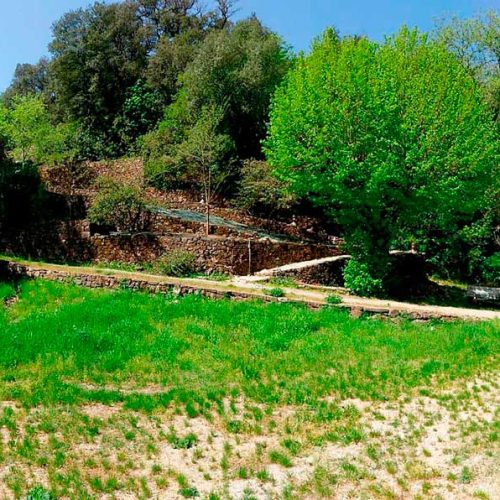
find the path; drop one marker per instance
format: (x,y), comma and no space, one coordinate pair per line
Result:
(247,288)
(298,266)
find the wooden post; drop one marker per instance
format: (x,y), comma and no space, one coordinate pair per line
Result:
(249,257)
(207,222)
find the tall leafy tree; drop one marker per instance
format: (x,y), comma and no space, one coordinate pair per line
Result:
(177,29)
(238,70)
(98,54)
(31,137)
(29,79)
(391,140)
(476,42)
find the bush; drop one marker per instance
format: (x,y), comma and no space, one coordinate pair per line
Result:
(178,263)
(491,270)
(121,206)
(260,192)
(161,170)
(333,300)
(276,292)
(358,279)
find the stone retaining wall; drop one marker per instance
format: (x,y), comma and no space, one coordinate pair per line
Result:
(14,270)
(327,273)
(71,242)
(227,255)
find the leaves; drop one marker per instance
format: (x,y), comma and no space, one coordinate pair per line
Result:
(387,138)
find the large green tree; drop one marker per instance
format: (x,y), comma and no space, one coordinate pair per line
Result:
(393,140)
(98,54)
(476,42)
(29,79)
(238,70)
(29,136)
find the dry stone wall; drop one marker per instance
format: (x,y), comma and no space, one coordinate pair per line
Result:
(227,255)
(71,242)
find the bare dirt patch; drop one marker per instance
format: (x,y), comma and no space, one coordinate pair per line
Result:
(438,445)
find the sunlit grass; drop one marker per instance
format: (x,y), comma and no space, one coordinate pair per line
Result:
(64,344)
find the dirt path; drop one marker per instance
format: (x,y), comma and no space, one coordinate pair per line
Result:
(250,287)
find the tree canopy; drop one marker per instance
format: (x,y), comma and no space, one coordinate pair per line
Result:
(236,70)
(476,42)
(393,140)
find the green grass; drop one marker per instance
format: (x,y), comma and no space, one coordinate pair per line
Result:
(69,345)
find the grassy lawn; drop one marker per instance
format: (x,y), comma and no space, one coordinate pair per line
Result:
(116,393)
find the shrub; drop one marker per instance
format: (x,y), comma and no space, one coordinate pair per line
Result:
(178,263)
(359,280)
(333,299)
(276,292)
(260,192)
(491,270)
(161,170)
(121,206)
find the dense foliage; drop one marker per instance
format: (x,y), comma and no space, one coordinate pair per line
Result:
(392,140)
(120,206)
(236,70)
(114,66)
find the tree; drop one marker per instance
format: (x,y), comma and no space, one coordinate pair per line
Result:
(98,54)
(392,140)
(476,42)
(237,69)
(178,28)
(169,18)
(30,136)
(170,59)
(205,153)
(29,79)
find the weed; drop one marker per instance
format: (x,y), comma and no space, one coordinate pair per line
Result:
(333,300)
(263,475)
(189,492)
(323,481)
(291,445)
(283,282)
(39,493)
(185,442)
(277,457)
(465,475)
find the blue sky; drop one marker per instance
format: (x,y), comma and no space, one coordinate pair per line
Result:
(25,24)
